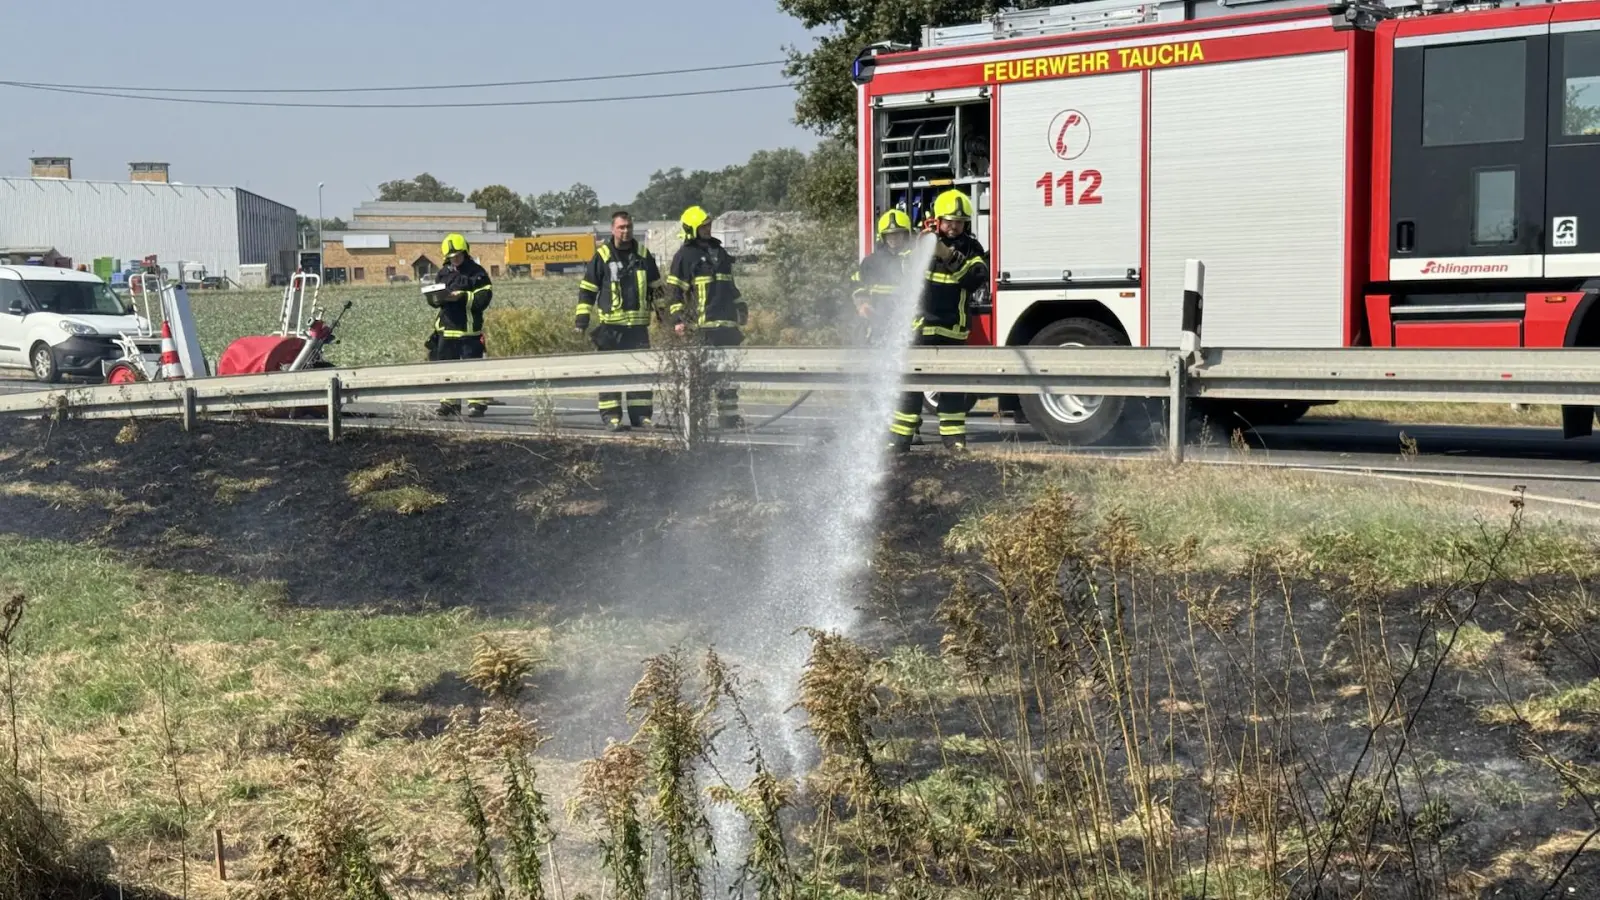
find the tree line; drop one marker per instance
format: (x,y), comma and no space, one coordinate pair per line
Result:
(770,180)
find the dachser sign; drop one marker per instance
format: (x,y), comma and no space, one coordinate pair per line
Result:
(550,249)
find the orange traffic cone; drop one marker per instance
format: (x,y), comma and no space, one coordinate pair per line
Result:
(171,368)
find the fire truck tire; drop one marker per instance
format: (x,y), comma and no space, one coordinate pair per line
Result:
(1067,419)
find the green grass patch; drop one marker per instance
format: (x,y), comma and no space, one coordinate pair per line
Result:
(111,654)
(1395,531)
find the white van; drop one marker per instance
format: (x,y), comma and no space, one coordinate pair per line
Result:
(60,322)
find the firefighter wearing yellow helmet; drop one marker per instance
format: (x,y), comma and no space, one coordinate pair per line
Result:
(878,275)
(957,272)
(703,298)
(458,330)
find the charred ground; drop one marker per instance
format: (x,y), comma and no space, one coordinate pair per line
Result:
(1302,714)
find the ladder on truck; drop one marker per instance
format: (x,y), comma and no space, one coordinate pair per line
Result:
(1093,15)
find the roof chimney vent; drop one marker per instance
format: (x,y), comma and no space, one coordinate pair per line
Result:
(51,166)
(148,171)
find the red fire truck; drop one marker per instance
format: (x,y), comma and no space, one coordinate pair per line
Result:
(1361,174)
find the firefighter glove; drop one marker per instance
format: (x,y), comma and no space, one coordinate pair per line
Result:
(742,314)
(581,323)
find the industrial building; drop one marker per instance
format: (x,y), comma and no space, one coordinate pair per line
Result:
(397,241)
(221,228)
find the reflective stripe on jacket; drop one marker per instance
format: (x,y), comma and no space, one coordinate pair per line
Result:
(701,286)
(629,280)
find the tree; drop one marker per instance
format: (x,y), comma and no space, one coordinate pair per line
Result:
(577,205)
(826,188)
(422,189)
(669,193)
(505,207)
(763,182)
(307,227)
(827,103)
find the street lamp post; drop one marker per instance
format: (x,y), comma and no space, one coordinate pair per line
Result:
(321,247)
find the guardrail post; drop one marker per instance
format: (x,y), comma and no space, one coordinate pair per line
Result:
(188,409)
(334,419)
(1178,408)
(1194,290)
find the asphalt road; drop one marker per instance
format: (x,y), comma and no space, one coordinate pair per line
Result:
(1490,458)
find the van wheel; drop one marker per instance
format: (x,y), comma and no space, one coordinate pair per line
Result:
(43,363)
(1067,418)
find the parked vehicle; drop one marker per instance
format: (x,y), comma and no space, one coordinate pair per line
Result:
(59,322)
(1395,174)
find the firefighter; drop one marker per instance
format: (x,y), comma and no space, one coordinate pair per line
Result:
(621,285)
(458,330)
(703,297)
(958,270)
(878,275)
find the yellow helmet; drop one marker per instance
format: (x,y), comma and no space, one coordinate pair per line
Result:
(893,220)
(453,243)
(692,219)
(953,204)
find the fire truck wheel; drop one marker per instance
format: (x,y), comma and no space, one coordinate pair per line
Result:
(1067,418)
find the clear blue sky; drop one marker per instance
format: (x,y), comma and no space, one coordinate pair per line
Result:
(283,153)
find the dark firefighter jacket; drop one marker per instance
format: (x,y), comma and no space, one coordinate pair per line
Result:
(619,285)
(958,269)
(462,316)
(878,275)
(701,288)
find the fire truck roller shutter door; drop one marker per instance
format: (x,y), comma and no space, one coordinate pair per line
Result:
(1248,171)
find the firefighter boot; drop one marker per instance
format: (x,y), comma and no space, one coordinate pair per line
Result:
(448,408)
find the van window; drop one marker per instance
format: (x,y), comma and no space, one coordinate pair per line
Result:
(11,293)
(82,298)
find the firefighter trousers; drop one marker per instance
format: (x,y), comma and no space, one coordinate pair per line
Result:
(465,347)
(624,337)
(728,397)
(952,407)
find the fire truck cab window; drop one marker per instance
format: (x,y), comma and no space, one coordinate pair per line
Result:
(1494,206)
(1474,93)
(1580,64)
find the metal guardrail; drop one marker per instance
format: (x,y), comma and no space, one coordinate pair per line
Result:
(1567,376)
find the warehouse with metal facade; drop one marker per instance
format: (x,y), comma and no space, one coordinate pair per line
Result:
(219,227)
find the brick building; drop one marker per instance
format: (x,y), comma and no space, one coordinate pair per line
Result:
(392,241)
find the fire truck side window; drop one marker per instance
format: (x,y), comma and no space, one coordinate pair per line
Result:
(1580,65)
(1474,93)
(1494,206)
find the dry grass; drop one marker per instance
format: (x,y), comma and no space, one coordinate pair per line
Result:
(248,678)
(1404,531)
(1489,414)
(63,495)
(229,490)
